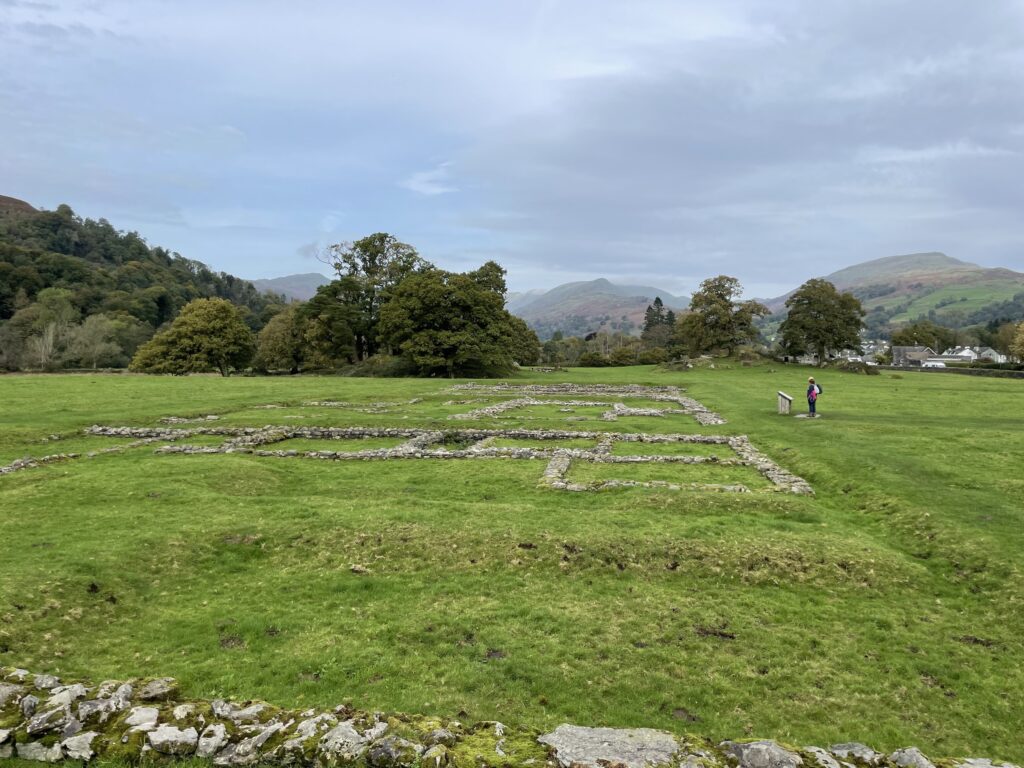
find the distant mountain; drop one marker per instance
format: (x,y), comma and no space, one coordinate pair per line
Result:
(302,287)
(514,301)
(588,306)
(900,289)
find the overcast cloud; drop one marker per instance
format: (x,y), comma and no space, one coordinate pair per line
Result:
(656,142)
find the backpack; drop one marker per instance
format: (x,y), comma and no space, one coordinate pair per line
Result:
(820,388)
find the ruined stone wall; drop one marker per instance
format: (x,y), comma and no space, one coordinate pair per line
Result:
(45,719)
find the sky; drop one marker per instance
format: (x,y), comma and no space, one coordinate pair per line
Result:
(648,142)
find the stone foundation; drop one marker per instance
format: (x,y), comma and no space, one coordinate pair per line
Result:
(685,405)
(430,444)
(47,720)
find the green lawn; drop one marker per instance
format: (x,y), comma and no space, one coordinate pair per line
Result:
(888,609)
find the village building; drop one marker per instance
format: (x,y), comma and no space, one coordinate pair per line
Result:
(907,357)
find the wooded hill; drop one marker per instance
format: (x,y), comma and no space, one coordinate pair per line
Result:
(58,269)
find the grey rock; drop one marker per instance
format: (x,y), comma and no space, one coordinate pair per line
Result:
(50,720)
(441,736)
(761,754)
(342,742)
(182,711)
(29,705)
(33,750)
(18,675)
(90,708)
(160,689)
(581,747)
(141,717)
(374,732)
(910,757)
(6,751)
(80,747)
(211,740)
(822,757)
(247,751)
(307,729)
(169,740)
(982,762)
(66,695)
(70,728)
(393,752)
(5,734)
(121,698)
(227,710)
(45,682)
(10,694)
(854,750)
(106,689)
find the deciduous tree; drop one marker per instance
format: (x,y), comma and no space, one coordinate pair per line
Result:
(93,342)
(821,319)
(718,320)
(369,270)
(925,333)
(455,324)
(280,345)
(208,335)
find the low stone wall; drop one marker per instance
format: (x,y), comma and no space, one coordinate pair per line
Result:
(47,720)
(686,405)
(431,444)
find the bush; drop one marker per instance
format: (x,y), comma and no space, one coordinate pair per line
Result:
(654,356)
(593,360)
(622,356)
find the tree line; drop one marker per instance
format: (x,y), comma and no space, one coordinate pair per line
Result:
(76,292)
(388,312)
(820,319)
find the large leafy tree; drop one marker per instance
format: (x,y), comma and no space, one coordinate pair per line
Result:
(369,270)
(208,335)
(456,324)
(93,342)
(279,346)
(821,318)
(326,323)
(718,320)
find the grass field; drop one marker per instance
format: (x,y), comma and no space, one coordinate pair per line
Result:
(888,608)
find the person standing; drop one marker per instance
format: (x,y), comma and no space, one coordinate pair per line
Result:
(813,390)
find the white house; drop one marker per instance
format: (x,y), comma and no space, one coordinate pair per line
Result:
(973,354)
(966,354)
(989,355)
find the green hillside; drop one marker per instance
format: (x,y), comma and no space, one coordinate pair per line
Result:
(900,289)
(897,268)
(58,269)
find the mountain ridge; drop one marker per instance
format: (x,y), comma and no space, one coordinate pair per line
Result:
(899,289)
(301,286)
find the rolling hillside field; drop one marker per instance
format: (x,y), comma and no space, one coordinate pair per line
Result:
(901,289)
(886,608)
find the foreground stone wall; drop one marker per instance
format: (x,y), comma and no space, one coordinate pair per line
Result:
(45,719)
